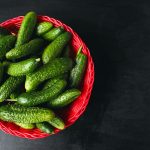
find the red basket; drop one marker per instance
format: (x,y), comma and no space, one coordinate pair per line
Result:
(73,111)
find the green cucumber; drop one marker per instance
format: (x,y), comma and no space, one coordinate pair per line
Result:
(66,51)
(54,68)
(39,97)
(23,67)
(20,114)
(77,72)
(9,86)
(27,28)
(57,123)
(28,126)
(3,32)
(17,92)
(64,99)
(45,127)
(53,34)
(6,43)
(1,72)
(26,49)
(43,27)
(55,48)
(14,95)
(6,63)
(52,82)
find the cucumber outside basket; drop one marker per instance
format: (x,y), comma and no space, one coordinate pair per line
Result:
(72,112)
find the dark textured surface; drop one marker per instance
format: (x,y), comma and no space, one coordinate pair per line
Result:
(118,35)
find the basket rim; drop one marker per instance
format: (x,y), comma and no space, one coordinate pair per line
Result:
(83,106)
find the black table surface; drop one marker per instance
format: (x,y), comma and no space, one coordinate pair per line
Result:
(118,36)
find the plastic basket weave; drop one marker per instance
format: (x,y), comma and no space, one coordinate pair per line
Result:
(71,113)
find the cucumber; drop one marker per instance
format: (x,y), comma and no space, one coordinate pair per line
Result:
(14,95)
(66,51)
(55,48)
(23,67)
(6,63)
(57,123)
(3,32)
(43,27)
(39,97)
(27,28)
(20,114)
(52,82)
(54,68)
(17,92)
(1,72)
(26,49)
(53,34)
(45,127)
(6,43)
(77,72)
(64,99)
(26,125)
(9,86)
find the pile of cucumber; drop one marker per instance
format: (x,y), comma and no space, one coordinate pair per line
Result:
(37,74)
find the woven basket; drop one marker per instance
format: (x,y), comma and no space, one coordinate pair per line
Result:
(71,113)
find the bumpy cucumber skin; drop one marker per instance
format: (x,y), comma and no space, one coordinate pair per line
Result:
(3,32)
(28,126)
(64,99)
(54,68)
(36,98)
(20,114)
(1,72)
(45,127)
(27,28)
(52,82)
(6,43)
(43,27)
(53,34)
(55,48)
(25,49)
(77,72)
(23,67)
(57,123)
(9,86)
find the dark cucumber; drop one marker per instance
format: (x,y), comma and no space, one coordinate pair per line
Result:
(6,43)
(28,126)
(39,97)
(17,92)
(43,27)
(53,34)
(20,114)
(14,95)
(55,48)
(54,68)
(57,123)
(27,28)
(9,86)
(3,32)
(66,51)
(64,99)
(77,72)
(45,127)
(26,49)
(1,72)
(23,67)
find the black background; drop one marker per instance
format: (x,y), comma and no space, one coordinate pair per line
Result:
(118,36)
